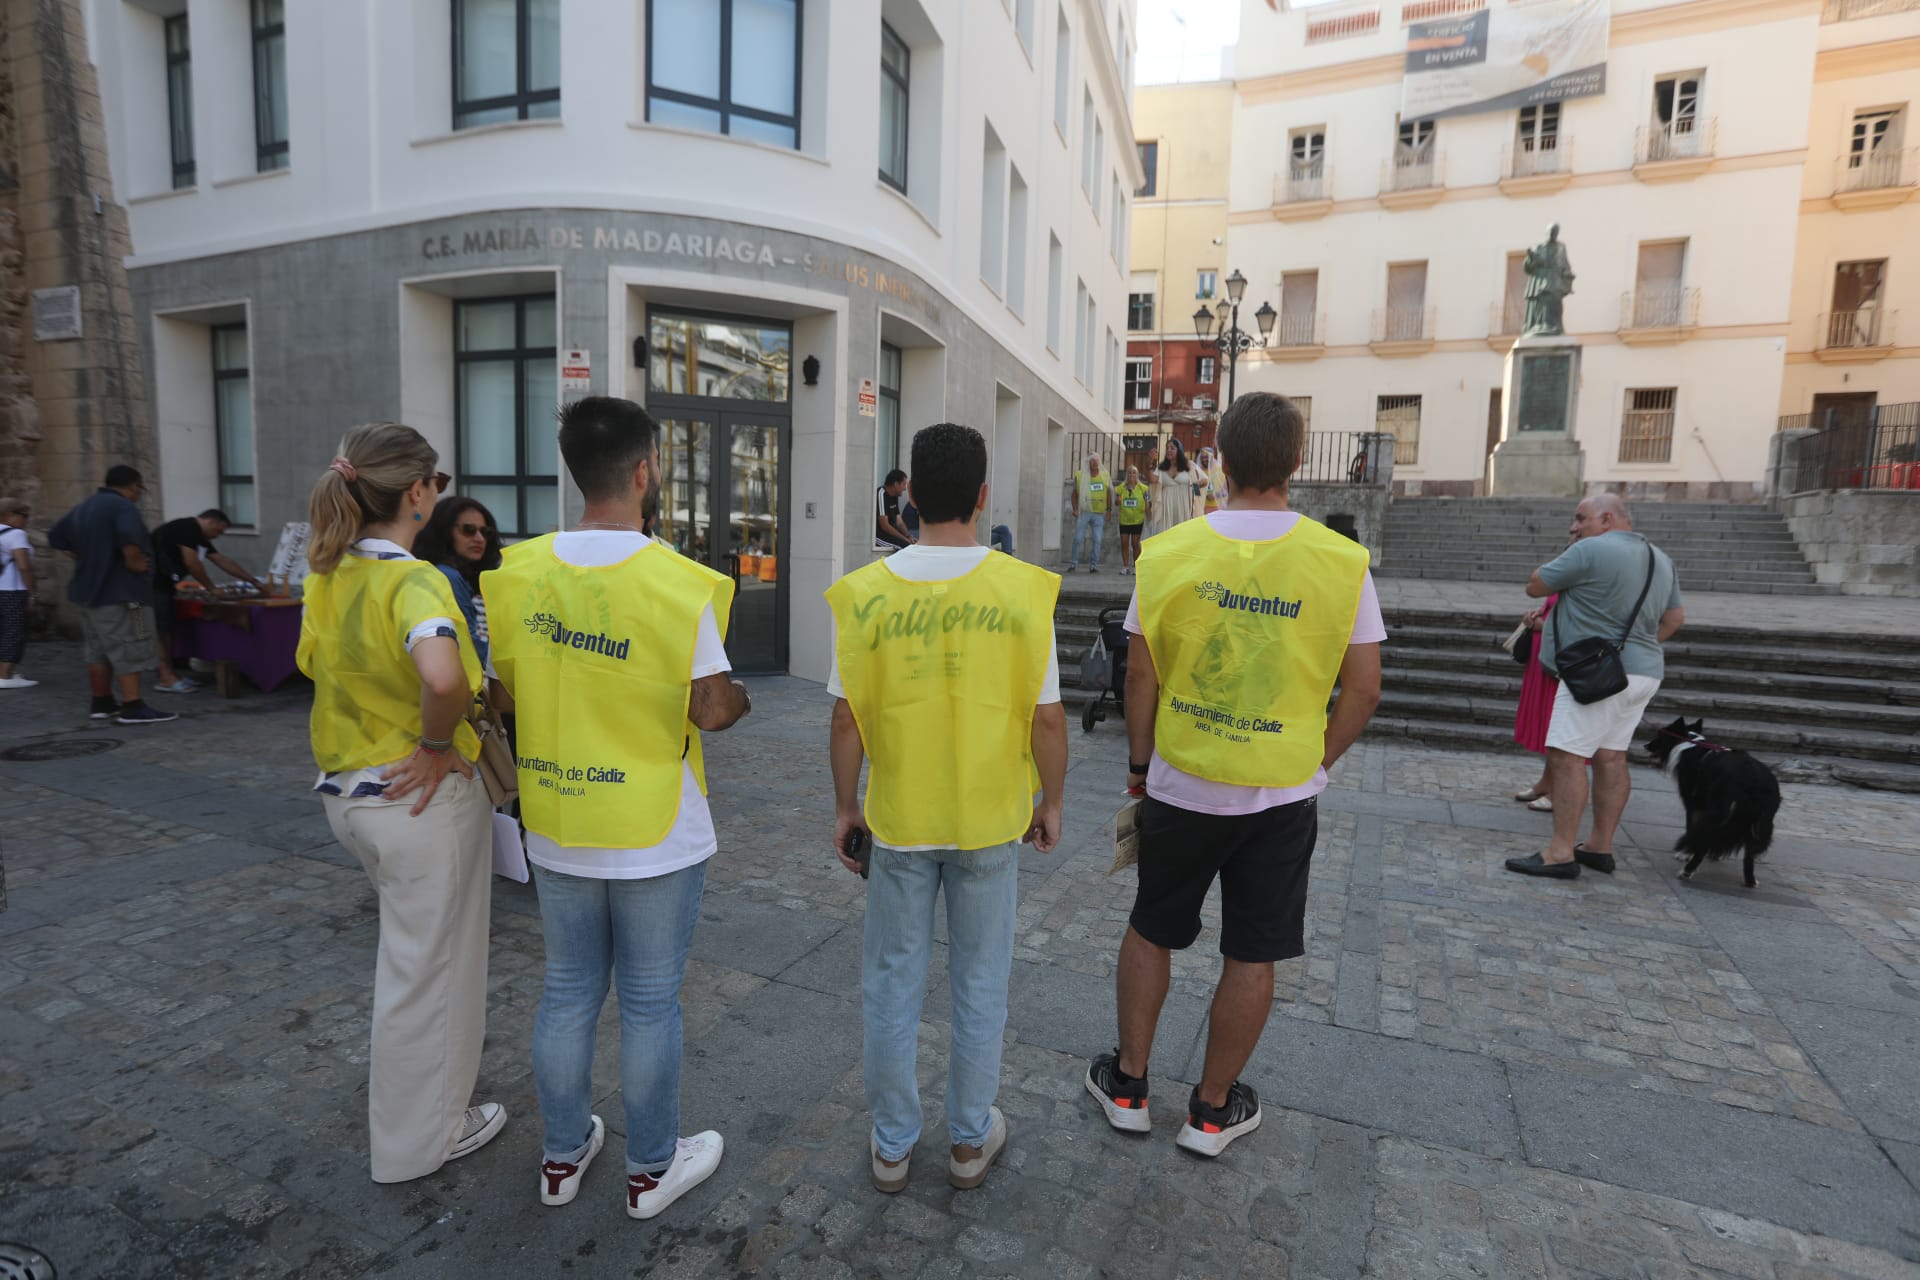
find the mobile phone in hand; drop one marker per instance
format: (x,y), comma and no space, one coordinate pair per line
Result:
(859,848)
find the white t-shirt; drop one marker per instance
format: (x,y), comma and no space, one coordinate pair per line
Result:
(922,563)
(10,540)
(691,838)
(1203,795)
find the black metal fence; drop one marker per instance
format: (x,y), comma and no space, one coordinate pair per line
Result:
(1330,457)
(1854,447)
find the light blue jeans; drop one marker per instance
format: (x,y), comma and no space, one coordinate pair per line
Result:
(1096,521)
(982,888)
(637,931)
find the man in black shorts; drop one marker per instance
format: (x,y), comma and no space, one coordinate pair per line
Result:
(177,548)
(1240,625)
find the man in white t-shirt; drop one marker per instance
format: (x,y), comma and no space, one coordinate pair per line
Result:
(610,645)
(1241,623)
(16,589)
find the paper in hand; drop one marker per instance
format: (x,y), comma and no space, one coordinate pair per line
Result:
(1514,639)
(1126,837)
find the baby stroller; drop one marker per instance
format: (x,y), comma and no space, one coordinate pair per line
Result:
(1105,667)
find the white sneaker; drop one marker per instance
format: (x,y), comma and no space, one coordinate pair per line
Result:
(968,1172)
(18,682)
(478,1128)
(888,1179)
(694,1161)
(560,1181)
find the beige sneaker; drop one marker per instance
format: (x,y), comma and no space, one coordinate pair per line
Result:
(967,1166)
(889,1176)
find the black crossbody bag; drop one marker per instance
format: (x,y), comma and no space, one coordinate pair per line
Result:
(1591,668)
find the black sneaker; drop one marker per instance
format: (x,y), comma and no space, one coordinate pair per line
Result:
(104,708)
(141,713)
(1124,1101)
(1209,1130)
(1535,865)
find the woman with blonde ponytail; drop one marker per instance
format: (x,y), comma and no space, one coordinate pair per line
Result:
(394,671)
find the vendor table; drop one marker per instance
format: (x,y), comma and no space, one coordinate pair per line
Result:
(257,638)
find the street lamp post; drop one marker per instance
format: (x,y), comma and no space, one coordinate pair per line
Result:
(1221,327)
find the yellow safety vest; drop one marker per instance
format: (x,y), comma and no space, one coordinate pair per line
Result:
(942,678)
(1093,492)
(366,690)
(599,661)
(1133,504)
(1247,638)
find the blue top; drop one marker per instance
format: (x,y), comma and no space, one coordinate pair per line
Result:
(463,595)
(1598,580)
(96,532)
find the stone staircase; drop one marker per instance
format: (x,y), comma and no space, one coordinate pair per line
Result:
(1815,706)
(1716,546)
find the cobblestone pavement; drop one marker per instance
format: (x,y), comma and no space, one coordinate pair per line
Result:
(1468,1075)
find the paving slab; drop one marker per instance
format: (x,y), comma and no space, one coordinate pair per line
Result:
(1871,1060)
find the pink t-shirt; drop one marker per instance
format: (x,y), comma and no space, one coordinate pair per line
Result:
(1202,795)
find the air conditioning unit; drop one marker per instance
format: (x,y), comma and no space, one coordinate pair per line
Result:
(1203,402)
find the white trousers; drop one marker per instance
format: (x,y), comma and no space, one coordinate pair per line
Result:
(434,876)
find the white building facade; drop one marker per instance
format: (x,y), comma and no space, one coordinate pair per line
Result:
(797,230)
(1391,248)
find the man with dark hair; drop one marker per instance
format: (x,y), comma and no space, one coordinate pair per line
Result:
(177,545)
(112,587)
(609,644)
(1241,622)
(888,527)
(945,677)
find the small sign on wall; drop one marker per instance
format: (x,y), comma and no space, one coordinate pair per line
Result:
(576,373)
(869,399)
(56,314)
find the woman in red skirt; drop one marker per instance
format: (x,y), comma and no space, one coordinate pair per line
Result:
(1537,690)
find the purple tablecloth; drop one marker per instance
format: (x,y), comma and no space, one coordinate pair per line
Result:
(262,649)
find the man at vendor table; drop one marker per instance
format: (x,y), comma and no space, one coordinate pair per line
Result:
(178,547)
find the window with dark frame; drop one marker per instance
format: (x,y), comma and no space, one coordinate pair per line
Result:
(750,90)
(180,100)
(1540,127)
(886,427)
(896,69)
(233,422)
(1150,164)
(1139,383)
(1140,312)
(506,387)
(270,143)
(506,61)
(1204,371)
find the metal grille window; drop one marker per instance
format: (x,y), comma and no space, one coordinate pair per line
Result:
(1150,165)
(726,66)
(506,61)
(180,100)
(1399,416)
(1646,427)
(896,66)
(1204,371)
(270,145)
(233,422)
(886,428)
(506,387)
(1139,382)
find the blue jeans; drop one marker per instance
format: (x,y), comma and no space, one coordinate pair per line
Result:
(638,931)
(983,887)
(1096,521)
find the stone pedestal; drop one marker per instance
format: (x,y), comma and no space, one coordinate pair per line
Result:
(1537,455)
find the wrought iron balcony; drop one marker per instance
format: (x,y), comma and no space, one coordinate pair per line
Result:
(1659,312)
(1302,183)
(1691,138)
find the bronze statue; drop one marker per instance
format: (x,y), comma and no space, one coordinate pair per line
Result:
(1549,281)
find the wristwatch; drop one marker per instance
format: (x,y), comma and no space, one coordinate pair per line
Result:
(1136,768)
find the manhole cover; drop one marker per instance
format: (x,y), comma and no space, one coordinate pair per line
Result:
(39,752)
(17,1262)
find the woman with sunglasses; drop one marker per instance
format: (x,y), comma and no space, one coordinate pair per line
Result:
(463,542)
(394,671)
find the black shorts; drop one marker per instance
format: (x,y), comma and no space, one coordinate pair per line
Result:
(1133,530)
(163,611)
(1261,860)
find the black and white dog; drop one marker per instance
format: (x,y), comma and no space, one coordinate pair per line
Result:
(1730,797)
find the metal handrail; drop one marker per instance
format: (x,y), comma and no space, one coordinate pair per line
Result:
(1660,307)
(1874,170)
(1301,182)
(1862,327)
(1299,330)
(1691,138)
(1404,324)
(1418,170)
(1552,154)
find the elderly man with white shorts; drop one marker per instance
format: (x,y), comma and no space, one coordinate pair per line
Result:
(1612,582)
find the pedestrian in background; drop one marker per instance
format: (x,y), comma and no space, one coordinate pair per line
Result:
(1136,505)
(394,672)
(1176,481)
(16,589)
(1091,489)
(1535,712)
(177,548)
(462,541)
(113,588)
(610,648)
(1617,589)
(1213,482)
(960,735)
(1240,626)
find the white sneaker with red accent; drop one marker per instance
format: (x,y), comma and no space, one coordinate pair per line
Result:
(694,1161)
(560,1181)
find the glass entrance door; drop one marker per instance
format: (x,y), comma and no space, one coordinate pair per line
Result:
(723,503)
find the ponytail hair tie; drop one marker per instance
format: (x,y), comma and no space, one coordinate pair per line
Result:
(345,468)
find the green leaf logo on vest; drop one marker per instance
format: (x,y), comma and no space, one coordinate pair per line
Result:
(545,624)
(925,621)
(1226,598)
